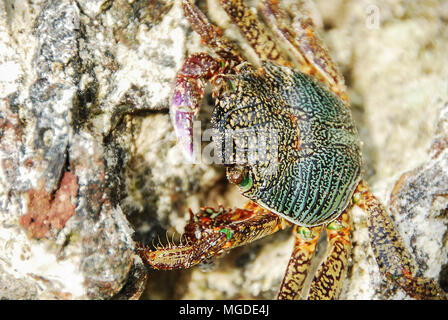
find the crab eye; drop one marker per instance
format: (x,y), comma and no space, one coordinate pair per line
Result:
(247,182)
(240,176)
(235,175)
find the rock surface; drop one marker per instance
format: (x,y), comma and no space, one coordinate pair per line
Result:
(62,231)
(89,161)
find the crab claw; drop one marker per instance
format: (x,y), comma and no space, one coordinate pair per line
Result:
(209,233)
(188,93)
(183,109)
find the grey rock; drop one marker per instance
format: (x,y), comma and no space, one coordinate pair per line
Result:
(62,228)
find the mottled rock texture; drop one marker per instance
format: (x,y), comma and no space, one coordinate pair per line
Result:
(63,232)
(89,162)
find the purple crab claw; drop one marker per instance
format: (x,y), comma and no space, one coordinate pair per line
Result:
(187,96)
(183,109)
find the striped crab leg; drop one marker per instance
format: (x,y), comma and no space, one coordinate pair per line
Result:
(329,277)
(254,31)
(299,263)
(304,46)
(395,261)
(327,281)
(303,43)
(210,232)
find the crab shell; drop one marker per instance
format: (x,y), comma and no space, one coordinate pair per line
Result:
(296,141)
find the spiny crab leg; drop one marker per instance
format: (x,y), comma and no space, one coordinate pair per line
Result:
(327,282)
(393,258)
(210,34)
(299,262)
(304,45)
(255,33)
(210,232)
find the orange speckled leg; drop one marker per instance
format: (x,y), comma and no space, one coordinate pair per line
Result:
(304,44)
(210,232)
(395,261)
(253,30)
(299,263)
(210,34)
(327,282)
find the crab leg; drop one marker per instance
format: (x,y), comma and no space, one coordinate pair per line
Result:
(304,45)
(211,232)
(210,34)
(299,263)
(327,282)
(395,261)
(253,30)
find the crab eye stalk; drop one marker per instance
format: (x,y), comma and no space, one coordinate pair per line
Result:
(246,182)
(236,174)
(240,176)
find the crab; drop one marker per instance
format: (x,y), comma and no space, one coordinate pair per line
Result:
(306,173)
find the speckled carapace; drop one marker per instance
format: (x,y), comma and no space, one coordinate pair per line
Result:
(318,153)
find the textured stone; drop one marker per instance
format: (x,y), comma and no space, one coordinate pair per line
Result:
(62,230)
